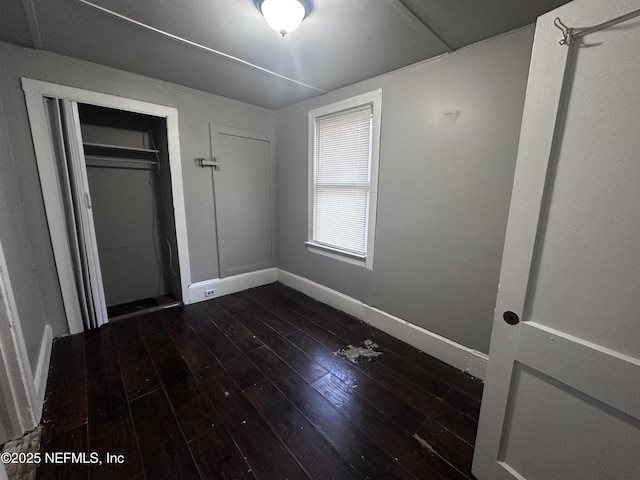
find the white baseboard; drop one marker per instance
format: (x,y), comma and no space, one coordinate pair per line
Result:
(450,352)
(229,285)
(323,294)
(42,370)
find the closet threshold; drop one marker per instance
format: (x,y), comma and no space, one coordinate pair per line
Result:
(137,313)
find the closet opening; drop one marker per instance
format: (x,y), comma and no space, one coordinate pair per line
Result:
(111,177)
(129,181)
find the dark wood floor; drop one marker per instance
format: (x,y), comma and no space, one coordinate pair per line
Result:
(246,386)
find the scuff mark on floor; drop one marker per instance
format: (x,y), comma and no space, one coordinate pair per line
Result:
(424,443)
(355,354)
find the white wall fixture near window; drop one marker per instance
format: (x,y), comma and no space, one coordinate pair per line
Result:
(344,144)
(283,16)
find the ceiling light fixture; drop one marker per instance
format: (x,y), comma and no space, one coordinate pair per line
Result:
(283,16)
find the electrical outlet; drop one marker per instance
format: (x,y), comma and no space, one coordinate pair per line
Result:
(209,293)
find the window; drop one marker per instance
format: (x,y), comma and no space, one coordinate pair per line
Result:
(344,143)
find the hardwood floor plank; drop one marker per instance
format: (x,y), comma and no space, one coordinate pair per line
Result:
(277,322)
(138,372)
(395,365)
(407,414)
(213,384)
(371,391)
(192,310)
(426,403)
(171,368)
(332,320)
(237,303)
(65,404)
(192,409)
(346,438)
(434,368)
(194,352)
(211,308)
(463,402)
(110,429)
(407,390)
(309,447)
(234,361)
(450,447)
(247,386)
(396,472)
(264,451)
(217,456)
(353,330)
(217,385)
(314,330)
(386,402)
(224,380)
(71,440)
(323,356)
(286,350)
(235,327)
(164,451)
(396,442)
(321,335)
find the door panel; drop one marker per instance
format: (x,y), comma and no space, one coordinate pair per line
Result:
(84,210)
(244,200)
(563,384)
(593,219)
(568,435)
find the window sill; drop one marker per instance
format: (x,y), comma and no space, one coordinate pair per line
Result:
(353,258)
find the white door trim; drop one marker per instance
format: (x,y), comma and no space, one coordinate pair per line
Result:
(18,392)
(34,91)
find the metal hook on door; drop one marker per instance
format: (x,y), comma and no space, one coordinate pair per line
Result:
(567,32)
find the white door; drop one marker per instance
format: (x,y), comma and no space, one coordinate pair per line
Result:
(87,244)
(562,394)
(244,198)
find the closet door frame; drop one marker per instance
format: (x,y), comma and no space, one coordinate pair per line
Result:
(35,91)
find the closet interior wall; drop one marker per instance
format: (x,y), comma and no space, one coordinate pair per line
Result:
(130,185)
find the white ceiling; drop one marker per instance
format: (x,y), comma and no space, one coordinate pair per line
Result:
(339,43)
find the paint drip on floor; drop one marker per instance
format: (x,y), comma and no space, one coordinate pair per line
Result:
(356,354)
(424,444)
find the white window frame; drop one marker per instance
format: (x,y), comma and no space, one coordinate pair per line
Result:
(373,98)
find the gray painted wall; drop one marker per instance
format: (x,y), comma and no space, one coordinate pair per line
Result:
(444,185)
(444,188)
(24,231)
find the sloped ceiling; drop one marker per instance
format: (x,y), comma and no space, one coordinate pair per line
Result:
(226,48)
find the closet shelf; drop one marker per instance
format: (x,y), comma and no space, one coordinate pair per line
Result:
(117,149)
(115,162)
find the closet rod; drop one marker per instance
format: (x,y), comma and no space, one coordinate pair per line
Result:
(120,160)
(120,147)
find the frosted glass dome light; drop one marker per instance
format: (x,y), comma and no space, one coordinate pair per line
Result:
(283,16)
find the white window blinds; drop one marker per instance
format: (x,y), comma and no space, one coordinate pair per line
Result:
(342,173)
